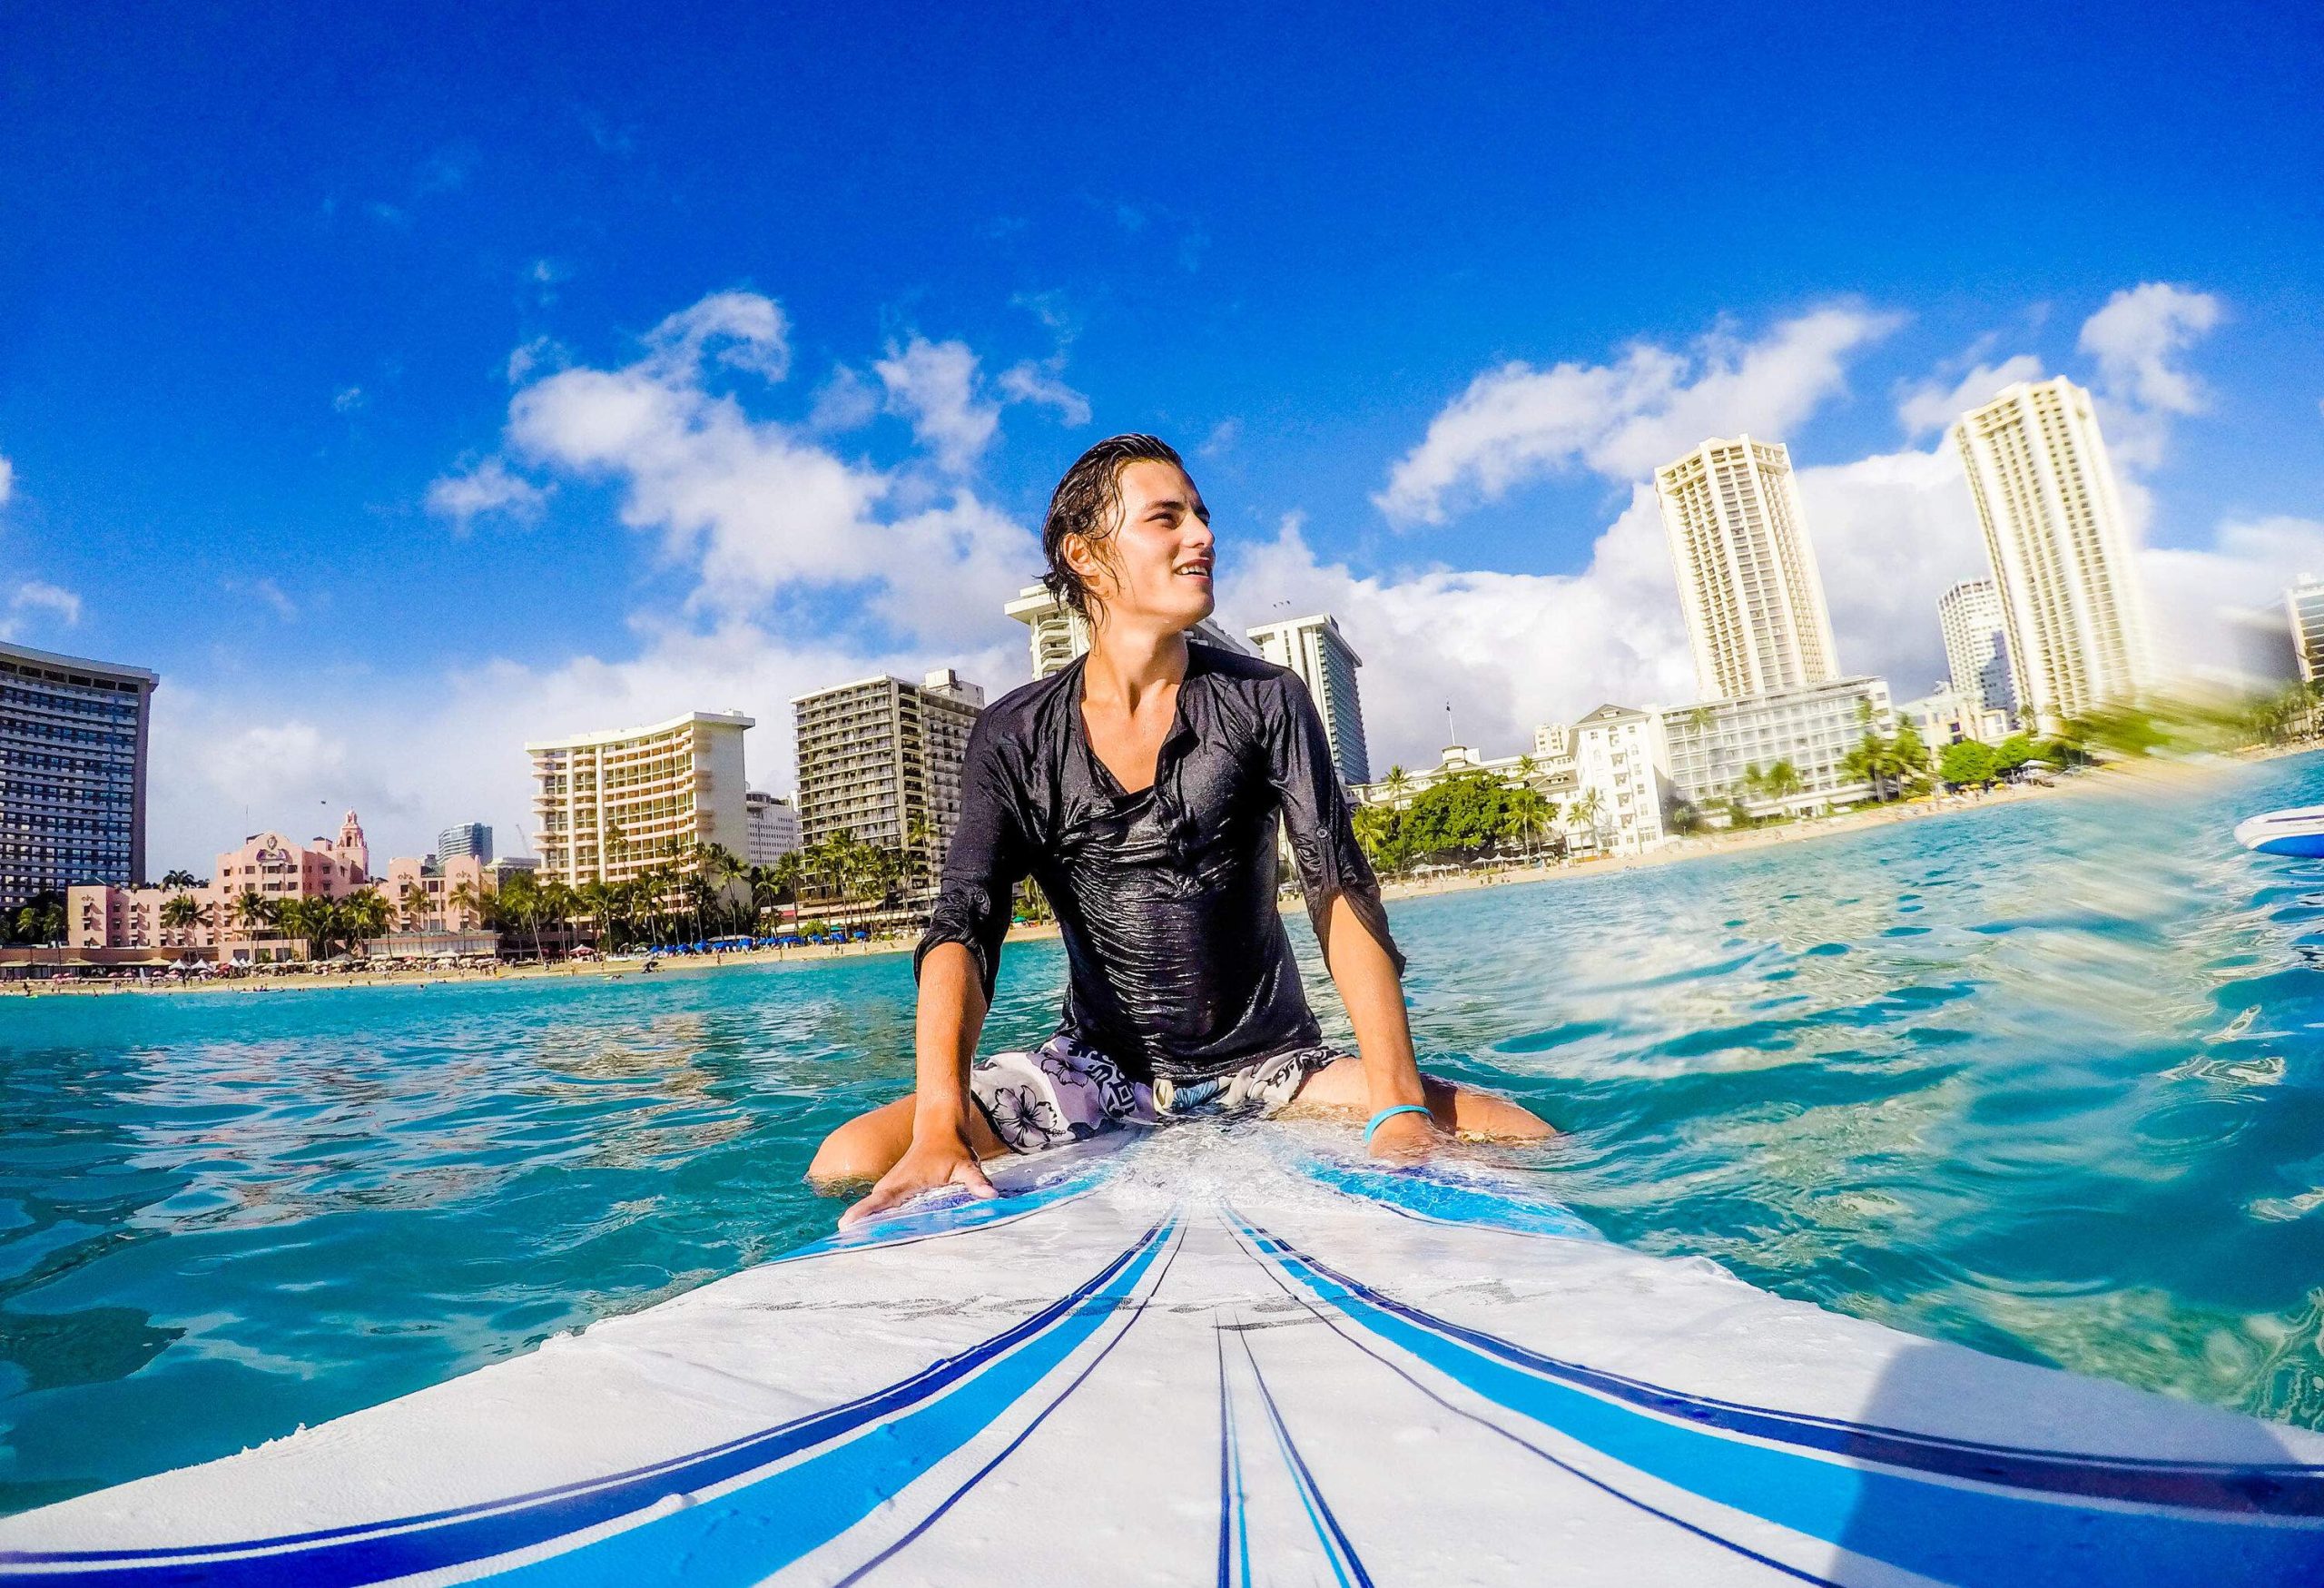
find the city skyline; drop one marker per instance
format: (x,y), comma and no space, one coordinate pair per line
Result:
(683,390)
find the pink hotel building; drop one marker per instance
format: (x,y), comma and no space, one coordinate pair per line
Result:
(271,866)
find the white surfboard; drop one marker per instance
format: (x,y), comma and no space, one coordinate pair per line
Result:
(1228,1355)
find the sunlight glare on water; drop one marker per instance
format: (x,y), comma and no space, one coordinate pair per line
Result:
(2044,1080)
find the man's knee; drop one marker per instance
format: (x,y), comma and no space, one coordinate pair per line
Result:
(851,1154)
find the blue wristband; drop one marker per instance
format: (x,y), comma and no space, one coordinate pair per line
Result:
(1384,1115)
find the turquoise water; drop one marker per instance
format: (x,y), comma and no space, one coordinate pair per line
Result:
(2047,1080)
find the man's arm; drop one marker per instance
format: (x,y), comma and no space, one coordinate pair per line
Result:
(949,1018)
(1374,992)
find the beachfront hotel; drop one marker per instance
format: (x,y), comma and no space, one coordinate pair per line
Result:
(269,866)
(1315,650)
(1747,575)
(880,760)
(2304,604)
(775,827)
(608,807)
(73,759)
(1552,776)
(1977,644)
(1621,769)
(1712,747)
(2063,556)
(1060,633)
(1946,716)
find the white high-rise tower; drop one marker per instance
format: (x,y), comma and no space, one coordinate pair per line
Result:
(1315,649)
(1977,644)
(2062,553)
(1747,575)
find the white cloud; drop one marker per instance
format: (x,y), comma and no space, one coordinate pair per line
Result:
(1035,383)
(1934,405)
(34,604)
(1626,419)
(268,591)
(2218,612)
(8,481)
(934,385)
(1507,650)
(843,402)
(348,400)
(761,507)
(1892,533)
(2137,337)
(748,331)
(486,490)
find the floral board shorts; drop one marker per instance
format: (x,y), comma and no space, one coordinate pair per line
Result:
(1066,1091)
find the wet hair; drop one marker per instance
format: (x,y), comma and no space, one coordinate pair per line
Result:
(1085,503)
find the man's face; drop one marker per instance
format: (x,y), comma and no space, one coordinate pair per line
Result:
(1157,567)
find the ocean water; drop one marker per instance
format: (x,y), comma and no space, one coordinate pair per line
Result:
(2047,1080)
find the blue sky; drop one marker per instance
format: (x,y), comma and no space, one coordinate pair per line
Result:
(261,280)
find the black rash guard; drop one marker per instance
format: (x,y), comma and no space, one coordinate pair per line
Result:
(1178,965)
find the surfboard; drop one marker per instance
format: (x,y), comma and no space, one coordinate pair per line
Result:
(1229,1354)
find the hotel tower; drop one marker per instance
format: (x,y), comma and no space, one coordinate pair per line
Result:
(1315,649)
(1977,644)
(609,806)
(2063,556)
(1747,575)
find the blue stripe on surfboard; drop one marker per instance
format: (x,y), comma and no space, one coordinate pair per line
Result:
(937,1513)
(1337,1547)
(1426,1193)
(436,1540)
(2285,1490)
(1338,1325)
(749,1534)
(1940,1524)
(1227,1475)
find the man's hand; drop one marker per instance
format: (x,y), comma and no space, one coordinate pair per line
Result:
(936,1158)
(1407,1137)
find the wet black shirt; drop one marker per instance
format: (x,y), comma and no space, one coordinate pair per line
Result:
(1178,961)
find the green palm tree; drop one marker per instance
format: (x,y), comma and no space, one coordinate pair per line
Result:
(464,899)
(366,915)
(252,911)
(415,906)
(1397,784)
(1528,814)
(1587,811)
(179,879)
(183,912)
(1783,781)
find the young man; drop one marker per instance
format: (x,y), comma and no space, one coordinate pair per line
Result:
(1140,787)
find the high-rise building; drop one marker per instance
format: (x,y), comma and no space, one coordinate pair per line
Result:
(775,827)
(73,756)
(1315,649)
(880,760)
(2304,601)
(1060,633)
(1977,644)
(610,805)
(468,841)
(1747,575)
(2062,552)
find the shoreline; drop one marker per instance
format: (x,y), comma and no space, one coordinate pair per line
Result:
(1709,846)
